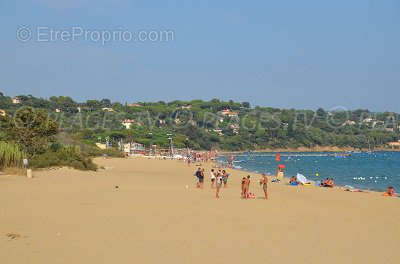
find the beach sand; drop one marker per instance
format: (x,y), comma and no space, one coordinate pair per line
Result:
(158,216)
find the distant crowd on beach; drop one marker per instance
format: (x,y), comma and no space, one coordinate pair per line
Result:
(219,178)
(200,157)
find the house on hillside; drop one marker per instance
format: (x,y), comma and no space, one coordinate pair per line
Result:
(107,109)
(218,131)
(58,110)
(161,122)
(127,123)
(349,123)
(2,112)
(235,128)
(16,100)
(368,120)
(229,113)
(394,145)
(134,105)
(378,124)
(187,107)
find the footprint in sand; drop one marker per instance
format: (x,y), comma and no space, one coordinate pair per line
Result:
(13,236)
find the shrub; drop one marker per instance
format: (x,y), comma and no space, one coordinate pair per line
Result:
(10,155)
(70,156)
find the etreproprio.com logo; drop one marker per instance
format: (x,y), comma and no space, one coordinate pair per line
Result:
(49,34)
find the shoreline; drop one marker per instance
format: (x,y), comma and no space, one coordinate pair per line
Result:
(286,180)
(337,186)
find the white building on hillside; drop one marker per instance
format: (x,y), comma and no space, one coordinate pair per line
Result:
(229,113)
(16,100)
(127,123)
(107,109)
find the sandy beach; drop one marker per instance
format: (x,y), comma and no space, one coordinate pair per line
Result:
(156,215)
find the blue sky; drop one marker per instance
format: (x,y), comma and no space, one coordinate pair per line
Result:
(292,54)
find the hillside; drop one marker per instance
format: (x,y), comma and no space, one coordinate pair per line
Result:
(211,124)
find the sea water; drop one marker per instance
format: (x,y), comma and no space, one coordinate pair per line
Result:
(369,171)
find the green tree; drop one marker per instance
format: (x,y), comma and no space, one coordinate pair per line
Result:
(31,129)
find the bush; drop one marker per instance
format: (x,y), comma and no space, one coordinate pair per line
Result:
(94,151)
(10,155)
(112,153)
(70,156)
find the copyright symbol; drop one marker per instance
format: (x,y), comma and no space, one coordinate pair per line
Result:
(24,34)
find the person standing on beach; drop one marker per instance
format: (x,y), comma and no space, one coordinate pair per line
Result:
(246,187)
(212,175)
(201,180)
(264,184)
(225,176)
(242,185)
(198,175)
(219,184)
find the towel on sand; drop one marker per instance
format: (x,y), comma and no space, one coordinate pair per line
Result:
(302,179)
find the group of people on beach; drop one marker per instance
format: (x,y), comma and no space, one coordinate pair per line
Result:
(199,157)
(219,179)
(245,186)
(328,182)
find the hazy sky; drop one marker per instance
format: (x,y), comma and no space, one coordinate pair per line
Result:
(300,54)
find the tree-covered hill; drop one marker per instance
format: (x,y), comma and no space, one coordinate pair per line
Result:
(211,124)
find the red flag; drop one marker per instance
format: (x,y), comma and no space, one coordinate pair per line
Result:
(278,157)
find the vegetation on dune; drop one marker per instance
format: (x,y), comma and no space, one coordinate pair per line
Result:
(59,155)
(31,129)
(34,137)
(11,156)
